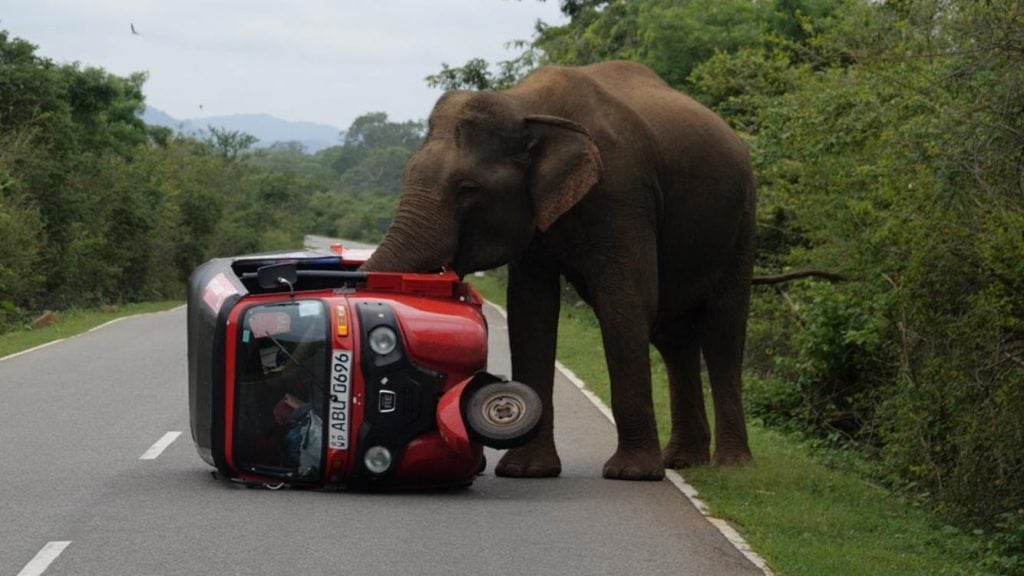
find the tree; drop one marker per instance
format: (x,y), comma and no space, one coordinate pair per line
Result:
(381,170)
(230,143)
(477,73)
(373,130)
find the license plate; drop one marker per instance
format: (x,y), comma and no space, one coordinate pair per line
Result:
(341,386)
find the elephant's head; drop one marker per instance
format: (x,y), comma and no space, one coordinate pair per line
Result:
(487,177)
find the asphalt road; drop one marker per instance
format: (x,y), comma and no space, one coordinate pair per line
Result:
(77,416)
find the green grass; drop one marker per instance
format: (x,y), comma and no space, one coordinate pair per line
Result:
(806,518)
(72,322)
(803,516)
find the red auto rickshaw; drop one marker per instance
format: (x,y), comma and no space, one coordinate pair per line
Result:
(306,372)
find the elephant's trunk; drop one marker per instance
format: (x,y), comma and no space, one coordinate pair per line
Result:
(421,238)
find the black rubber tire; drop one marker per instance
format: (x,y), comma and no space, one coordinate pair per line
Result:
(502,414)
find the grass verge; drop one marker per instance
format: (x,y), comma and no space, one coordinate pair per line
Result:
(803,516)
(72,322)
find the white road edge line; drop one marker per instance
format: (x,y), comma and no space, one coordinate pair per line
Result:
(688,491)
(44,558)
(107,323)
(33,349)
(93,329)
(156,449)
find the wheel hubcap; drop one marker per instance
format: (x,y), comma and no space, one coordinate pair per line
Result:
(503,409)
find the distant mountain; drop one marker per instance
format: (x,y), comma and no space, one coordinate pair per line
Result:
(266,128)
(159,118)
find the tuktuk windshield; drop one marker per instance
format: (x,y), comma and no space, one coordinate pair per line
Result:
(280,395)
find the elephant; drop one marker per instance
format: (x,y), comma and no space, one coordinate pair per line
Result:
(640,198)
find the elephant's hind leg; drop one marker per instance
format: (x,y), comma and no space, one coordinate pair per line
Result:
(722,344)
(690,441)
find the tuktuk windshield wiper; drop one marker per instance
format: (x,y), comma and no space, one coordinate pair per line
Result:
(309,373)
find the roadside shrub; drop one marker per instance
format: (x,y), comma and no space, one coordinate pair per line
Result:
(12,317)
(826,377)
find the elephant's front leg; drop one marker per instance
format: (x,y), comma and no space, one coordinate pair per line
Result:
(533,305)
(626,317)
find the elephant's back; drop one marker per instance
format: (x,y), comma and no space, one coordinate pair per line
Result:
(705,181)
(676,121)
(703,167)
(629,103)
(658,141)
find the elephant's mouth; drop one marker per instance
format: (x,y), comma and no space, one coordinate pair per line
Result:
(458,265)
(475,252)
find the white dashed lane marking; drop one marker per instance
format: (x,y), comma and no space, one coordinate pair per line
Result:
(156,449)
(44,558)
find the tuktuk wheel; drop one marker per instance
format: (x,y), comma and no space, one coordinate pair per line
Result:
(502,414)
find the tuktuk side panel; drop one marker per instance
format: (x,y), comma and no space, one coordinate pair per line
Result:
(213,290)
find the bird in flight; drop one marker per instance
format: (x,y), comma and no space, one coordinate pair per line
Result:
(133,29)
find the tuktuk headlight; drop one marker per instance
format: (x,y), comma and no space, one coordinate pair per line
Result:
(377,459)
(383,340)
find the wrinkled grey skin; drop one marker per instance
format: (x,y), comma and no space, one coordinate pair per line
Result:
(637,195)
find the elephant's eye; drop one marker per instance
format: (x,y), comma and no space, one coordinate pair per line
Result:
(468,187)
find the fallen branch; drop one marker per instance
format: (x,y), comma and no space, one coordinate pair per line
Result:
(796,275)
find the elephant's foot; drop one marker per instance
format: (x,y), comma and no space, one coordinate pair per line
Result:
(736,457)
(634,465)
(676,456)
(530,461)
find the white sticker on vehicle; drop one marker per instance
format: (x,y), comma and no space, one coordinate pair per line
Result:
(341,385)
(217,290)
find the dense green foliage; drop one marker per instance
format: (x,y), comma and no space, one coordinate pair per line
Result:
(888,139)
(96,207)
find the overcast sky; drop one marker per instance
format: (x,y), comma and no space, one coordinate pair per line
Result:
(306,60)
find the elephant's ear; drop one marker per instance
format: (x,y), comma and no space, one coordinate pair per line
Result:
(565,165)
